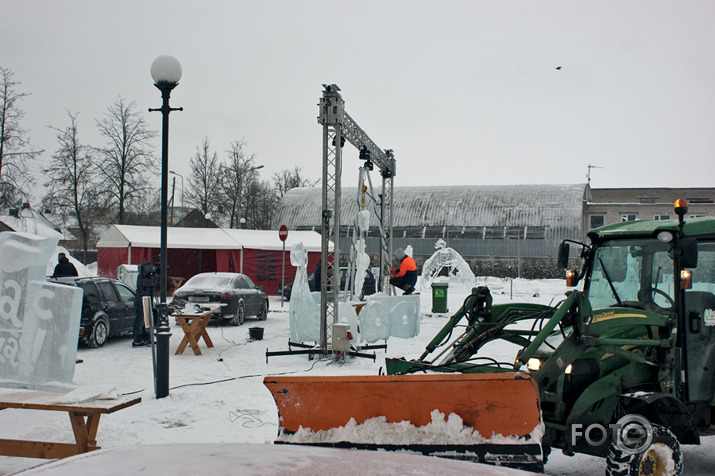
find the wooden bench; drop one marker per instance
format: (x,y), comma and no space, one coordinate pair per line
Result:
(84,417)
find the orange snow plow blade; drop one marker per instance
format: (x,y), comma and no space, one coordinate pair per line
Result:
(493,418)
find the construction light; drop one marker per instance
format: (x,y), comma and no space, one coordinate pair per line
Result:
(533,364)
(571,278)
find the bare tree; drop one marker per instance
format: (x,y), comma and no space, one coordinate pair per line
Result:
(203,188)
(72,180)
(235,179)
(127,160)
(261,202)
(15,150)
(287,179)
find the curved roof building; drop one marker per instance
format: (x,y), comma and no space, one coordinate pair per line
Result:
(476,220)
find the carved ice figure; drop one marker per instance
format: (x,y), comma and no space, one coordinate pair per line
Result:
(404,314)
(362,259)
(444,257)
(304,311)
(374,322)
(39,320)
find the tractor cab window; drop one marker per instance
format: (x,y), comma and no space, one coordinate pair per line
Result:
(704,275)
(633,273)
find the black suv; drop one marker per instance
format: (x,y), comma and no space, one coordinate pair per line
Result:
(107,308)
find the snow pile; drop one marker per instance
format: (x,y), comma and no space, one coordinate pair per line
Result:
(442,430)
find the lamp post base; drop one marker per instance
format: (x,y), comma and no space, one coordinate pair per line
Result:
(162,335)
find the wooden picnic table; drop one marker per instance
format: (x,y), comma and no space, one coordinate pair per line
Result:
(84,417)
(174,283)
(194,327)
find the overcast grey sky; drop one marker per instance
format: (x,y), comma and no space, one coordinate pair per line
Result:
(465,92)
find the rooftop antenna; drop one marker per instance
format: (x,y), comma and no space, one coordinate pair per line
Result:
(588,174)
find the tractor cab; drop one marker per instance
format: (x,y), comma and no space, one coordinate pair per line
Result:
(666,268)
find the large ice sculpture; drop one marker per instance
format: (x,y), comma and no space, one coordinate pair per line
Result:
(446,258)
(304,310)
(39,320)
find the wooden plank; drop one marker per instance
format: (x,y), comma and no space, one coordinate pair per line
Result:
(32,400)
(79,428)
(84,417)
(40,449)
(92,427)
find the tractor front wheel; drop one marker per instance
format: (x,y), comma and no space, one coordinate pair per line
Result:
(661,458)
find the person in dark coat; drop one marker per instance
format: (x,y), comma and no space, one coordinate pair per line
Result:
(146,281)
(64,267)
(404,277)
(316,275)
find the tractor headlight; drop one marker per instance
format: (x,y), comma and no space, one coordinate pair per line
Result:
(533,364)
(665,237)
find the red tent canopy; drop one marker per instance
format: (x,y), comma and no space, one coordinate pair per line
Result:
(256,253)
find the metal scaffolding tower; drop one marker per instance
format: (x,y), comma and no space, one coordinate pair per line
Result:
(339,127)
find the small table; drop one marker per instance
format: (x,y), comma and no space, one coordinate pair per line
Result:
(84,417)
(194,326)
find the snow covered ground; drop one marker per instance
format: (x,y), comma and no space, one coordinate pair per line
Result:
(219,398)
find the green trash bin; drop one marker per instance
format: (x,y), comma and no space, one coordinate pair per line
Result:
(439,297)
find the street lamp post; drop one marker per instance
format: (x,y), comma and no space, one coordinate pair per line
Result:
(182,186)
(183,210)
(166,73)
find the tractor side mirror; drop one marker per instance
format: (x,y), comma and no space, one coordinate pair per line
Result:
(563,257)
(689,253)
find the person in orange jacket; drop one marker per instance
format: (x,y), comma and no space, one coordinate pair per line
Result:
(405,277)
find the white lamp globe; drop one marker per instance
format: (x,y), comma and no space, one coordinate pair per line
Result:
(166,69)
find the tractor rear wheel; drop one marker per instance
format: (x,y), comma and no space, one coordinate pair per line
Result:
(661,458)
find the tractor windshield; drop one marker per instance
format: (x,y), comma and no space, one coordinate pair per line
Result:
(632,273)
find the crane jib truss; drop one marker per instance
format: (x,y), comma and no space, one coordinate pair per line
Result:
(339,127)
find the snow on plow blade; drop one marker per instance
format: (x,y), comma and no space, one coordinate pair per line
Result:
(489,418)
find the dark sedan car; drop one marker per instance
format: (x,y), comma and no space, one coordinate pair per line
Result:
(107,308)
(236,296)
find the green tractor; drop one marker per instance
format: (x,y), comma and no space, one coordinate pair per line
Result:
(625,367)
